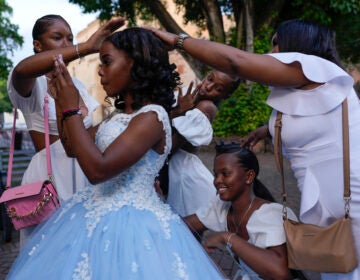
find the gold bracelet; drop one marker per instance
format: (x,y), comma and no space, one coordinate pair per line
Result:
(78,53)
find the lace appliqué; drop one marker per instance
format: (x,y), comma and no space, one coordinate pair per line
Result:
(83,269)
(134,186)
(179,268)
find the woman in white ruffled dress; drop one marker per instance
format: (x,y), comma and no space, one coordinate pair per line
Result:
(308,85)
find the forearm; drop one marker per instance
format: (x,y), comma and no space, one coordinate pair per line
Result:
(41,63)
(80,144)
(62,132)
(260,68)
(268,263)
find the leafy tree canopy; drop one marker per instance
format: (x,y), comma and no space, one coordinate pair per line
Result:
(9,39)
(341,15)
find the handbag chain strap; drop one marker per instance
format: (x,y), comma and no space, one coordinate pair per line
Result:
(47,144)
(346,158)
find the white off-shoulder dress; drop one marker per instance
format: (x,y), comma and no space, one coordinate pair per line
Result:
(312,141)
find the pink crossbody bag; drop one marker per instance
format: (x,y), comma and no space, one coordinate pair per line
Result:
(30,204)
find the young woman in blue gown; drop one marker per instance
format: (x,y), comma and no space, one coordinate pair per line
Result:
(118,228)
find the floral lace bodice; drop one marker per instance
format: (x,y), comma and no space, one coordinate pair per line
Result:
(134,186)
(137,178)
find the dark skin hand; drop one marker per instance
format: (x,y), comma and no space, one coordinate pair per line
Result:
(260,68)
(255,136)
(187,102)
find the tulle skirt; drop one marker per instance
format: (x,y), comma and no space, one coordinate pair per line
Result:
(127,243)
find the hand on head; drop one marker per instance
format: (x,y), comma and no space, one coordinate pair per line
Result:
(168,38)
(109,27)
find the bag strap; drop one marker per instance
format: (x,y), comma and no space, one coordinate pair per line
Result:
(47,143)
(47,137)
(346,158)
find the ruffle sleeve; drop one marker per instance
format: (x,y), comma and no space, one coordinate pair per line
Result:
(214,215)
(195,127)
(265,226)
(336,86)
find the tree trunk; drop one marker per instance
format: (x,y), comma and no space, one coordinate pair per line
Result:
(237,7)
(214,20)
(249,14)
(167,21)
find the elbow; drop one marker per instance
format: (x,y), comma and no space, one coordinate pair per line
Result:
(96,176)
(280,273)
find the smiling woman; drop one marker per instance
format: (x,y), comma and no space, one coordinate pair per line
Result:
(244,217)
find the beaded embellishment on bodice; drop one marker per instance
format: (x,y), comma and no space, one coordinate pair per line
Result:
(134,186)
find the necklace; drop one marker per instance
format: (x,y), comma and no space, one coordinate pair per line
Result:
(238,224)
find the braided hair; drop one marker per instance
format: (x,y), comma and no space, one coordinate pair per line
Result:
(248,160)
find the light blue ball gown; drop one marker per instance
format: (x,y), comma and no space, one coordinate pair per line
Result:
(118,229)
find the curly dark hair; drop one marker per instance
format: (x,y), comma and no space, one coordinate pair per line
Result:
(155,79)
(307,37)
(248,160)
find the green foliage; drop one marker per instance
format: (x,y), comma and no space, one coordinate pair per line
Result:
(5,104)
(340,15)
(243,112)
(9,39)
(262,43)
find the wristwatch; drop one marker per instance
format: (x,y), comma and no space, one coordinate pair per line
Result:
(180,42)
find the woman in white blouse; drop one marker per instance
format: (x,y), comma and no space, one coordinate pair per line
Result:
(28,83)
(244,217)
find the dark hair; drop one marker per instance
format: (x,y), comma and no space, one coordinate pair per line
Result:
(309,38)
(248,160)
(155,79)
(42,24)
(229,89)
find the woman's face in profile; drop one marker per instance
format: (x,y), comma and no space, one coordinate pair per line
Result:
(115,69)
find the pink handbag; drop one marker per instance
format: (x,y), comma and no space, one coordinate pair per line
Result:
(30,204)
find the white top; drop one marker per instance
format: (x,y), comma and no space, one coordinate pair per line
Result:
(265,226)
(312,137)
(32,107)
(194,126)
(312,142)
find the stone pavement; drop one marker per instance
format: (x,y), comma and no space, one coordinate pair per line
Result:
(268,175)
